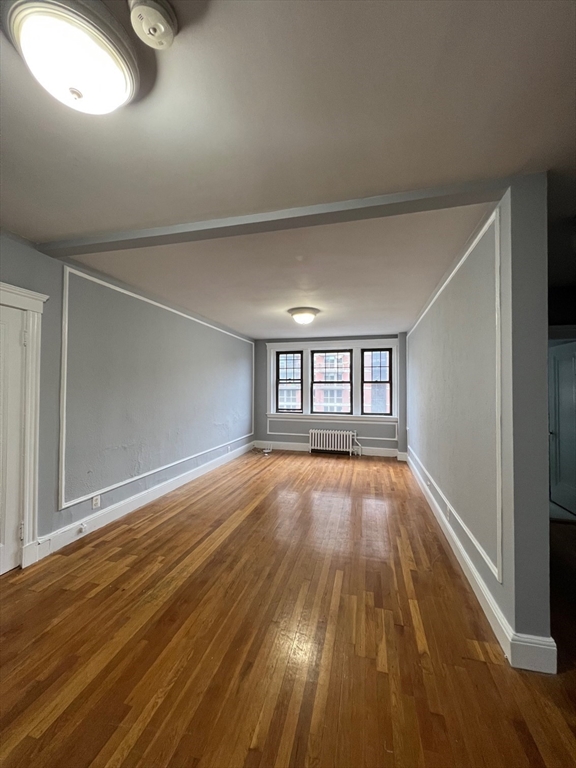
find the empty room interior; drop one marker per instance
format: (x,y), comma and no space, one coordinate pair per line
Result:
(288,370)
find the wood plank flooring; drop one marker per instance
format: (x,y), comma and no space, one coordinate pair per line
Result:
(281,611)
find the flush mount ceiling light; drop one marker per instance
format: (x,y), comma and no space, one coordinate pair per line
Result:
(76,50)
(303,315)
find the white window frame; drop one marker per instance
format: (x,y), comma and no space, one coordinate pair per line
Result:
(356,345)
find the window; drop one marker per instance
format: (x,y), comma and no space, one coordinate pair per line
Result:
(332,381)
(347,380)
(377,381)
(289,382)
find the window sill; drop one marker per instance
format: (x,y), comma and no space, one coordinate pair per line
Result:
(333,417)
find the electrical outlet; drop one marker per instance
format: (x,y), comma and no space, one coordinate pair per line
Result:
(95,502)
(228,449)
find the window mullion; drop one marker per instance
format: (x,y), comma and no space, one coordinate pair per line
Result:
(306,381)
(357,381)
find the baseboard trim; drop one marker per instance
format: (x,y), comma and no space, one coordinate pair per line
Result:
(389,452)
(533,652)
(280,446)
(277,445)
(536,653)
(63,536)
(29,554)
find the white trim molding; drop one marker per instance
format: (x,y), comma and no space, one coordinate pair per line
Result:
(391,453)
(22,298)
(288,446)
(494,218)
(536,653)
(473,243)
(151,472)
(360,419)
(452,513)
(54,541)
(62,502)
(349,420)
(276,445)
(70,270)
(33,305)
(533,652)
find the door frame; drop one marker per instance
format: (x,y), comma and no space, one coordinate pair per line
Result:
(32,304)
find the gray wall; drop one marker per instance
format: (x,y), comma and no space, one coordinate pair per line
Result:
(529,378)
(260,421)
(452,412)
(452,397)
(117,344)
(300,428)
(146,387)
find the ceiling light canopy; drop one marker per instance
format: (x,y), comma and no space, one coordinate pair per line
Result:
(76,50)
(303,315)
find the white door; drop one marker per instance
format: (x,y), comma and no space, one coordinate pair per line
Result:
(562,395)
(12,361)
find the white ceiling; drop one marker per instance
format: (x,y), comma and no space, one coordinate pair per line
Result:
(366,277)
(267,105)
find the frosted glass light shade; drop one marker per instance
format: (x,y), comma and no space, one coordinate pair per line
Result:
(78,53)
(303,315)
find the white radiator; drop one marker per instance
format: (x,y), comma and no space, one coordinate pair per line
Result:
(332,440)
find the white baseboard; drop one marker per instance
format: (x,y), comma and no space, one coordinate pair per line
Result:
(29,554)
(402,456)
(390,452)
(69,533)
(536,653)
(279,446)
(533,652)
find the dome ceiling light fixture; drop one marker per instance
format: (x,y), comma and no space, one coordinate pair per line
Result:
(80,53)
(303,315)
(76,50)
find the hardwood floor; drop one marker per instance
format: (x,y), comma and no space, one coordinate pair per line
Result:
(280,611)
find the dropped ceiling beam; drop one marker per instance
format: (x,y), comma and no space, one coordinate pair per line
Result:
(290,218)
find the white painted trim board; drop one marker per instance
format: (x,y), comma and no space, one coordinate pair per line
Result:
(451,512)
(305,447)
(32,304)
(326,426)
(494,218)
(436,295)
(62,503)
(531,652)
(54,541)
(22,298)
